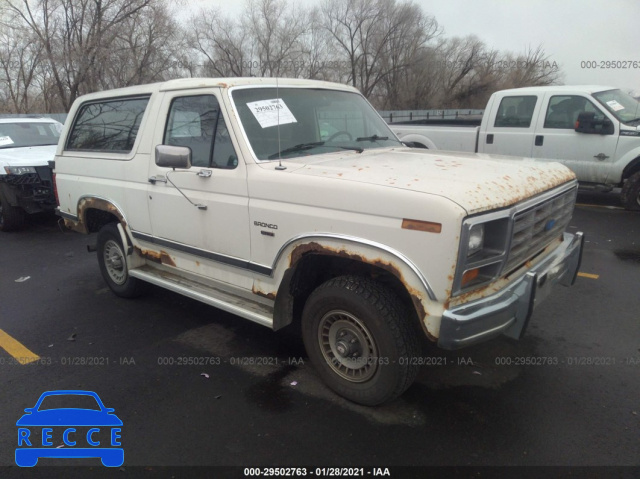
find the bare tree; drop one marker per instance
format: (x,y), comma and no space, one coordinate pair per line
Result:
(76,36)
(52,51)
(277,30)
(20,60)
(221,44)
(531,68)
(146,48)
(377,39)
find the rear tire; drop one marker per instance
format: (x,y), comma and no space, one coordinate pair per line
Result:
(12,218)
(358,336)
(630,194)
(113,264)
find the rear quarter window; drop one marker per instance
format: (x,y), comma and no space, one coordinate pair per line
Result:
(109,125)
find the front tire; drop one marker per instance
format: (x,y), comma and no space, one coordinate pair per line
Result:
(358,336)
(12,218)
(113,263)
(630,194)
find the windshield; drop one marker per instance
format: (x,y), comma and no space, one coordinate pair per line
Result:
(312,121)
(621,105)
(62,401)
(22,134)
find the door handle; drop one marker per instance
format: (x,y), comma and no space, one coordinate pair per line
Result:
(154,179)
(539,140)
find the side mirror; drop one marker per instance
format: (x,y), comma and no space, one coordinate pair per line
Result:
(173,156)
(29,410)
(587,123)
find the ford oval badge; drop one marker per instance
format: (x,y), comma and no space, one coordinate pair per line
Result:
(550,224)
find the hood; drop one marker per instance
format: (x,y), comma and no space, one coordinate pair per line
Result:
(476,182)
(27,156)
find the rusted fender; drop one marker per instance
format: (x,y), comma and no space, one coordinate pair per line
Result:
(428,309)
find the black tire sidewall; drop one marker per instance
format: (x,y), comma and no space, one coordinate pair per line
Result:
(131,286)
(388,381)
(12,217)
(630,191)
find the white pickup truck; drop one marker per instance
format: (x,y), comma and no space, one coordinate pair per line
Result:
(594,130)
(291,200)
(26,147)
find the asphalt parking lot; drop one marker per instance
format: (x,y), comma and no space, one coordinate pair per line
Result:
(195,386)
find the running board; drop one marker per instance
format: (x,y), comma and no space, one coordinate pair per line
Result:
(256,312)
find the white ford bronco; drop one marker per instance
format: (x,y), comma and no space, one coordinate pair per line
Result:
(291,200)
(26,147)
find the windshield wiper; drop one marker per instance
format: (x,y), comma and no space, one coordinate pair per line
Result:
(631,121)
(308,146)
(372,138)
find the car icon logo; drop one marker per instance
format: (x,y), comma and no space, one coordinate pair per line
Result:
(90,431)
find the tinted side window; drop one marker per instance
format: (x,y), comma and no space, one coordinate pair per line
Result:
(516,111)
(110,125)
(563,111)
(195,121)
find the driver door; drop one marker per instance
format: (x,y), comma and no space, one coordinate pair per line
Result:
(200,216)
(589,155)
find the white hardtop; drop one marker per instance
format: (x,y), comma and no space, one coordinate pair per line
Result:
(589,89)
(226,83)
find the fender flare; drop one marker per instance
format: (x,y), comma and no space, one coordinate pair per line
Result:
(414,137)
(356,249)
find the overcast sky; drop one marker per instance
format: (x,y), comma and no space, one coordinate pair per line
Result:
(570,31)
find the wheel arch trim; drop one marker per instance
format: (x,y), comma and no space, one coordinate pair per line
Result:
(358,249)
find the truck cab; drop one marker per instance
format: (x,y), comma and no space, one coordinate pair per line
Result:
(593,130)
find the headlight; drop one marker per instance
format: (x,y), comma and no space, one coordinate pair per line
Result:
(19,170)
(483,250)
(476,239)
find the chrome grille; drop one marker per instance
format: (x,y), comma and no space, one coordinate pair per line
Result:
(536,227)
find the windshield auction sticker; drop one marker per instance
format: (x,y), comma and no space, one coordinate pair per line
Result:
(5,140)
(615,106)
(271,112)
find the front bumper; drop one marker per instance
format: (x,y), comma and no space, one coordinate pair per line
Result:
(33,192)
(507,312)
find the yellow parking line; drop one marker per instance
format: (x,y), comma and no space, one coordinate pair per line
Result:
(16,349)
(588,275)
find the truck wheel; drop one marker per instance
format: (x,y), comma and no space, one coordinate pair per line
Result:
(113,263)
(11,217)
(630,194)
(358,337)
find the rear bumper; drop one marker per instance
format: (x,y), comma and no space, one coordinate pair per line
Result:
(507,312)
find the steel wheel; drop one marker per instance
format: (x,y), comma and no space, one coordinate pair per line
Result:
(348,346)
(115,262)
(359,338)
